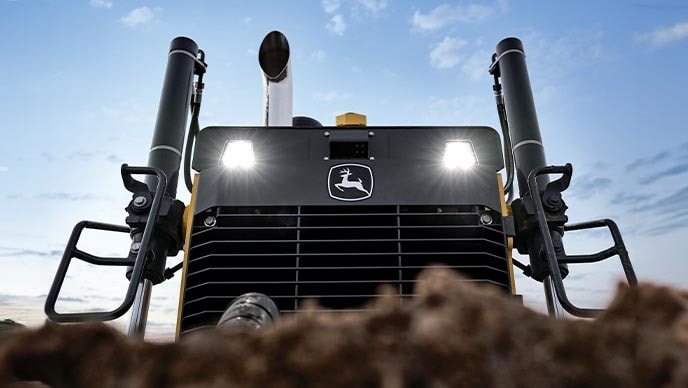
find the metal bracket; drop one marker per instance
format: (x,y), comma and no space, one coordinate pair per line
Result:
(137,260)
(553,260)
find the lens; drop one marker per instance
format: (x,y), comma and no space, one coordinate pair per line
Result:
(459,154)
(238,153)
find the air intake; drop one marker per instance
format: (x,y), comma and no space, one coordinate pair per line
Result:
(337,255)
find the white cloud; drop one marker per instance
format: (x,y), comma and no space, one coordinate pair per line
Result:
(330,5)
(663,36)
(331,96)
(318,56)
(138,16)
(337,25)
(445,55)
(446,14)
(373,6)
(4,168)
(100,3)
(247,20)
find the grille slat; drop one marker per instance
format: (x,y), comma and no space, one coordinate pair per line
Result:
(338,255)
(346,254)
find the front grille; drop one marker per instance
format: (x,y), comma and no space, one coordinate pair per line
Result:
(338,255)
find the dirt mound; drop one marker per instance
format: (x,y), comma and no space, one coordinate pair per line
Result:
(452,335)
(7,326)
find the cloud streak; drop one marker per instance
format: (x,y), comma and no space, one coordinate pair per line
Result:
(648,161)
(112,158)
(676,200)
(664,35)
(373,6)
(58,196)
(625,198)
(100,4)
(445,54)
(138,17)
(20,252)
(588,185)
(672,171)
(80,155)
(63,196)
(336,25)
(447,14)
(331,6)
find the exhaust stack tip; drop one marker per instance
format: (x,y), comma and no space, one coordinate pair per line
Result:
(250,311)
(510,43)
(275,66)
(273,55)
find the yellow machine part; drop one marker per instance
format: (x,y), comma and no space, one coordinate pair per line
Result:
(187,224)
(506,211)
(351,119)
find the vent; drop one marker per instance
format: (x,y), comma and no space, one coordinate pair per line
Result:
(338,255)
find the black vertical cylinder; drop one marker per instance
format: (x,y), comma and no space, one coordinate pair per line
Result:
(529,153)
(168,139)
(526,141)
(173,110)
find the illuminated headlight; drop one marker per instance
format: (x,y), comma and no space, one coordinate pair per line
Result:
(459,154)
(238,153)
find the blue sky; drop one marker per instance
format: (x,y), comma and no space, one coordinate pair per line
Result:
(82,81)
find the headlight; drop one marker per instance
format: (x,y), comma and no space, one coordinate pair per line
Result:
(459,154)
(238,153)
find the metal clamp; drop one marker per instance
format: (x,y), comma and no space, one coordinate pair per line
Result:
(553,260)
(137,259)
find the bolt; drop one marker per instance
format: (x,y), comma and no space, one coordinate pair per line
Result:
(372,158)
(371,134)
(486,219)
(140,201)
(326,158)
(135,246)
(209,221)
(439,210)
(326,134)
(553,202)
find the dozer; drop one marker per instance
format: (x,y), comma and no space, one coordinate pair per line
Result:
(291,210)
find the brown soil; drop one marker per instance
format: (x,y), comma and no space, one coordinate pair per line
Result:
(452,335)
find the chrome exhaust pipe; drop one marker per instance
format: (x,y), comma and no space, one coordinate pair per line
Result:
(273,57)
(250,311)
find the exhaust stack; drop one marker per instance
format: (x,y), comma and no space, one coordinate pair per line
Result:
(273,57)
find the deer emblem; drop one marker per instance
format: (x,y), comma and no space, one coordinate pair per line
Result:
(347,184)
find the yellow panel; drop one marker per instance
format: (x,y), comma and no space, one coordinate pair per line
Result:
(351,119)
(187,226)
(506,211)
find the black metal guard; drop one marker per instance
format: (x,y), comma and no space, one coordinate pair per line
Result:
(138,261)
(553,260)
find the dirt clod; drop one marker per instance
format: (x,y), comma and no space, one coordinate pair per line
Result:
(452,335)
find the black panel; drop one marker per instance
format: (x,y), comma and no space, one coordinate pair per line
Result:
(306,182)
(338,255)
(274,146)
(295,166)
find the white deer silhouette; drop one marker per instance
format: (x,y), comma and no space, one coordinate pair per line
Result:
(347,184)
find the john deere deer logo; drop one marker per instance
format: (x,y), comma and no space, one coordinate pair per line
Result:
(355,182)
